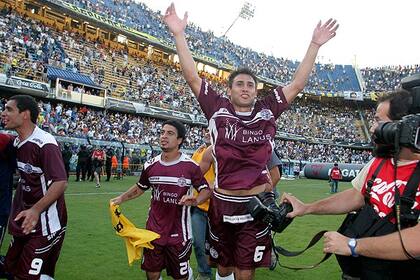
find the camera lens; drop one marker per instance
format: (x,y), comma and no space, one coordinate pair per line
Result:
(385,133)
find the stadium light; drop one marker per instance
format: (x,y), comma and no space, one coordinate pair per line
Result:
(247,12)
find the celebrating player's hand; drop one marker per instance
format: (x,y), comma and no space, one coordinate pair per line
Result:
(188,200)
(174,23)
(30,219)
(116,200)
(323,33)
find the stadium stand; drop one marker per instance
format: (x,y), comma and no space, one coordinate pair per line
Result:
(76,60)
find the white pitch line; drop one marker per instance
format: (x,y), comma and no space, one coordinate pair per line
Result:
(71,194)
(91,193)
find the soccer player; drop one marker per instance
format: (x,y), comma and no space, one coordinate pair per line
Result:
(171,175)
(242,131)
(38,218)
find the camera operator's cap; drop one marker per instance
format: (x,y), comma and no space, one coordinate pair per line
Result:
(5,139)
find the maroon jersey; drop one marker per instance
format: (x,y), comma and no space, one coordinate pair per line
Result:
(40,164)
(242,142)
(170,181)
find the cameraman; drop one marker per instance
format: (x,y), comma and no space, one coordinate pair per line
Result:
(391,107)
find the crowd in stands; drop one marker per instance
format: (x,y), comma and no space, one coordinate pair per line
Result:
(387,78)
(326,120)
(311,152)
(81,121)
(328,78)
(29,48)
(325,77)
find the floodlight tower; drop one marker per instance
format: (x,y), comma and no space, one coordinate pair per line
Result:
(247,12)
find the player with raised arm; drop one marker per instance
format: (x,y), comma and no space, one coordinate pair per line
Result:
(242,132)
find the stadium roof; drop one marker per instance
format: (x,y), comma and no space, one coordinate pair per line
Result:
(69,76)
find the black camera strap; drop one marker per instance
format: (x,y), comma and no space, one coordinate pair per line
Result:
(409,198)
(280,250)
(369,183)
(413,183)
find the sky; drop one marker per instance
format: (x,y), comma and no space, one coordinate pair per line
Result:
(371,33)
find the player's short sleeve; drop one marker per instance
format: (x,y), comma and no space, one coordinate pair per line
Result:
(276,101)
(210,101)
(143,182)
(274,160)
(52,163)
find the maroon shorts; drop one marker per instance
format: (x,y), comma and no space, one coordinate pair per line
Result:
(174,258)
(29,257)
(235,238)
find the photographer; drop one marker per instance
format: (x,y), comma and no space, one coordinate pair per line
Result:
(377,205)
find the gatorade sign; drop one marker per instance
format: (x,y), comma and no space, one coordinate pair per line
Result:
(320,170)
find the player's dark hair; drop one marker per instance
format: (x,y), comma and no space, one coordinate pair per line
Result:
(180,129)
(245,71)
(26,102)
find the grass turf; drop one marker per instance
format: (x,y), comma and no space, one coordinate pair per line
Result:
(92,250)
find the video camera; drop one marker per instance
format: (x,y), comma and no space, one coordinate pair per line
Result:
(263,207)
(404,132)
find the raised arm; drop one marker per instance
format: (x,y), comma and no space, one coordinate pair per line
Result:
(177,27)
(322,34)
(206,160)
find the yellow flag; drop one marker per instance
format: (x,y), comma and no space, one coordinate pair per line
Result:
(135,239)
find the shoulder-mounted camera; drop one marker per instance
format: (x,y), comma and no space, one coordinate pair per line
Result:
(404,132)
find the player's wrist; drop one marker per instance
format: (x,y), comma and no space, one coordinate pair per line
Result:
(179,35)
(314,43)
(36,210)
